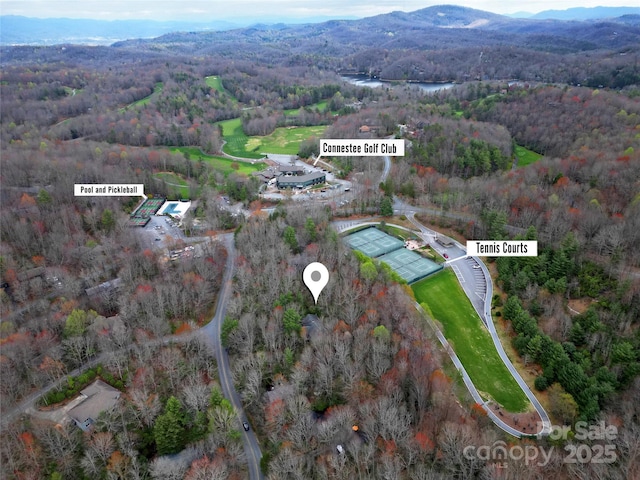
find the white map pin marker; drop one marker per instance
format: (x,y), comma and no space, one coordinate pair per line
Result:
(315,277)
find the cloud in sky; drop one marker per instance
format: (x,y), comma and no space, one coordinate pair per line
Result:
(219,9)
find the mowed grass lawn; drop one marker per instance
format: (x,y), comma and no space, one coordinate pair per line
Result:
(236,139)
(143,101)
(442,296)
(175,182)
(320,106)
(526,156)
(284,140)
(222,164)
(215,83)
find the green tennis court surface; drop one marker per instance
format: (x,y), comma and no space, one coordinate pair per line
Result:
(411,266)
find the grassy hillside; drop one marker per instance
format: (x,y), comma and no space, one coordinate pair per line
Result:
(442,296)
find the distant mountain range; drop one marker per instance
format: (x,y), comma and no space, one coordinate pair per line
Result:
(437,43)
(433,28)
(583,13)
(17,30)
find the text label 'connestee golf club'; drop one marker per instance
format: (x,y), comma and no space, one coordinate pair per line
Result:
(506,248)
(108,189)
(361,147)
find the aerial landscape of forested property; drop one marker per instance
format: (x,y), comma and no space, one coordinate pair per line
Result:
(138,341)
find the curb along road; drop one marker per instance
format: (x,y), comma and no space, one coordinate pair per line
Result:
(484,314)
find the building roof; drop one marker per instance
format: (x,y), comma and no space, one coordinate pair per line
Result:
(31,273)
(98,397)
(291,168)
(105,287)
(302,178)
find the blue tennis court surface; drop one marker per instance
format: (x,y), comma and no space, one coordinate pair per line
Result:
(374,243)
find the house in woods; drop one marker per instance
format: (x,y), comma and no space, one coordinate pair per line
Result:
(30,274)
(104,289)
(93,400)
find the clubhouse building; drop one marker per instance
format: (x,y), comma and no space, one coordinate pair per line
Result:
(301,181)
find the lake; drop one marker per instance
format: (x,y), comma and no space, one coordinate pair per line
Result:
(365,81)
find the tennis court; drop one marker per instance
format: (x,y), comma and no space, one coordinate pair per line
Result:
(141,216)
(410,265)
(139,222)
(373,243)
(148,208)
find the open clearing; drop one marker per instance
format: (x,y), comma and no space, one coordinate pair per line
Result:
(443,298)
(222,164)
(526,156)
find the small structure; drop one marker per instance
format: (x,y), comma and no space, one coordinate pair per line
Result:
(95,399)
(444,241)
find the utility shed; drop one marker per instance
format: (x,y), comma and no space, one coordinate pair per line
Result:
(96,398)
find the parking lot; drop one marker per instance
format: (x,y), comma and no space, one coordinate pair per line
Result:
(160,233)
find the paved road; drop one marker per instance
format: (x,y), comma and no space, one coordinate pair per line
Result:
(387,168)
(477,284)
(212,330)
(28,403)
(478,287)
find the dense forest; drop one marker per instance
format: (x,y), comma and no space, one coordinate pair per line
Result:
(534,142)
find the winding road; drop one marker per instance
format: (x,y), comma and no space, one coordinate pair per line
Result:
(479,290)
(212,332)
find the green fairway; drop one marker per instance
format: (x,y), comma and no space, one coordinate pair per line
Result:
(444,299)
(284,140)
(143,101)
(525,156)
(236,139)
(215,83)
(320,106)
(176,183)
(222,164)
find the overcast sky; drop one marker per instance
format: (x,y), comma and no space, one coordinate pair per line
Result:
(222,9)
